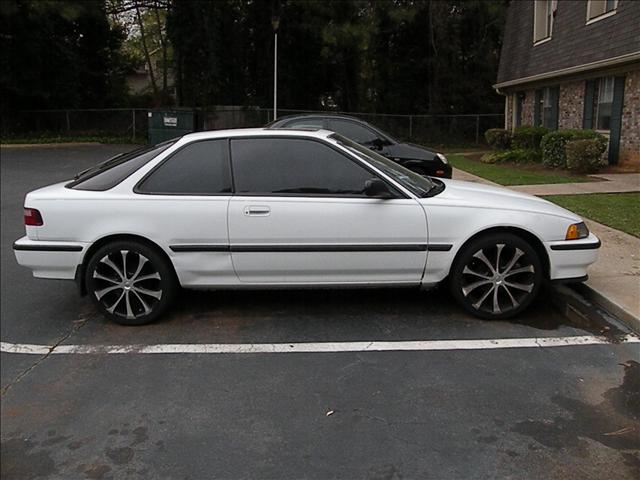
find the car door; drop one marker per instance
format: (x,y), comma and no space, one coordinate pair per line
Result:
(299,215)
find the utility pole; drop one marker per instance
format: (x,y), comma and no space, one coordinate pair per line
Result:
(275,22)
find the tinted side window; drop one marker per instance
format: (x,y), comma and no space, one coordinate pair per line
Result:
(294,166)
(352,130)
(306,122)
(110,173)
(200,168)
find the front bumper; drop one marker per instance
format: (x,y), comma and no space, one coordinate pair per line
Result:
(50,259)
(569,259)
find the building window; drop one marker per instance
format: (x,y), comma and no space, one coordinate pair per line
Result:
(602,103)
(520,96)
(544,11)
(546,107)
(598,8)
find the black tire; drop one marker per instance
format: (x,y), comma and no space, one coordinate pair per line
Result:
(474,281)
(146,291)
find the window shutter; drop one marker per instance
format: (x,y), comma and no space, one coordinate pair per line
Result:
(616,120)
(536,108)
(555,98)
(587,116)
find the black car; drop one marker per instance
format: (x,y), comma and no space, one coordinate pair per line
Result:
(413,157)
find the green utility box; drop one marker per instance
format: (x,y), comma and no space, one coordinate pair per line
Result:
(168,124)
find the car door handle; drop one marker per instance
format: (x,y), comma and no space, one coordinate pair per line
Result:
(257,211)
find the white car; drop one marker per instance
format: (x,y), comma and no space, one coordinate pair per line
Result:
(290,208)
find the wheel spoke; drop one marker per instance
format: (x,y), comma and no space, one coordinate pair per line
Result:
(147,308)
(128,304)
(151,276)
(152,293)
(141,262)
(499,248)
(516,255)
(527,269)
(520,286)
(471,287)
(468,271)
(102,293)
(480,256)
(514,302)
(479,303)
(124,263)
(496,305)
(102,277)
(107,261)
(112,308)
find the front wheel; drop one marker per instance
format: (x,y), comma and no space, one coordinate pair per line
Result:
(496,276)
(131,283)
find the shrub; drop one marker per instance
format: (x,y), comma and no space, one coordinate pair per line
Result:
(498,138)
(585,156)
(553,145)
(528,137)
(519,155)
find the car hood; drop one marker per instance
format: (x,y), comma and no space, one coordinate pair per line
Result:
(477,195)
(410,151)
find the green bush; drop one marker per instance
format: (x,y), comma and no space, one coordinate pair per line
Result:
(519,155)
(585,156)
(498,138)
(528,137)
(553,145)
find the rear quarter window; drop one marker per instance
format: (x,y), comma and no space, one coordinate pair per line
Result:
(110,173)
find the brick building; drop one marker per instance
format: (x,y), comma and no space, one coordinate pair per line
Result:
(575,64)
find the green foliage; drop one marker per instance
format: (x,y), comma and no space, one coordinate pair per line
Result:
(518,155)
(59,54)
(349,55)
(585,156)
(498,138)
(528,137)
(553,145)
(512,174)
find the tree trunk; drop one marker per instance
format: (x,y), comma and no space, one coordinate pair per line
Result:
(147,57)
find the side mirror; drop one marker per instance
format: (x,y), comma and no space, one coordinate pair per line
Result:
(376,188)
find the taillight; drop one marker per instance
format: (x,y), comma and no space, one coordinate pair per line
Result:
(32,217)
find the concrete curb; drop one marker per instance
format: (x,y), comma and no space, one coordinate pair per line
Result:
(615,309)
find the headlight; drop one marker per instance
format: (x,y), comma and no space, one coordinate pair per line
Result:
(577,231)
(442,158)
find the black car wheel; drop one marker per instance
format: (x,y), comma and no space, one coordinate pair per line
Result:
(131,283)
(496,276)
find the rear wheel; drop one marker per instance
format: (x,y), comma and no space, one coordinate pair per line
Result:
(496,276)
(131,283)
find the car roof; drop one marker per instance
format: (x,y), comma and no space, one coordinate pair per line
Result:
(316,115)
(257,132)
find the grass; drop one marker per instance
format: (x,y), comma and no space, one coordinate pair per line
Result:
(71,139)
(617,210)
(510,174)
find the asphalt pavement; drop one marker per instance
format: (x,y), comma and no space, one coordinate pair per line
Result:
(551,412)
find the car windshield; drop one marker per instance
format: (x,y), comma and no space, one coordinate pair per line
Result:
(417,184)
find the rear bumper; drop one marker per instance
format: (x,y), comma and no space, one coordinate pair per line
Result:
(569,260)
(50,259)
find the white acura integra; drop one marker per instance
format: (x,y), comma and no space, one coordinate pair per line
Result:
(272,208)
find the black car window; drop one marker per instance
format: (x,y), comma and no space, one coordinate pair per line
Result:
(352,130)
(290,166)
(305,122)
(199,168)
(108,174)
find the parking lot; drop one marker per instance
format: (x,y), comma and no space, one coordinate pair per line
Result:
(379,384)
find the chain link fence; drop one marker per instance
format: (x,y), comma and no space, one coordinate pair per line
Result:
(132,123)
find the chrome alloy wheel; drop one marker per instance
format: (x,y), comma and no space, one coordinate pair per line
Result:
(127,284)
(498,279)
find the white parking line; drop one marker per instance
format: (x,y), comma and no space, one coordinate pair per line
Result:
(324,347)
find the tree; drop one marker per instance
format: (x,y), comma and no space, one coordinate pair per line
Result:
(59,54)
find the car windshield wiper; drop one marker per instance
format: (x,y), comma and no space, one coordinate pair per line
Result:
(437,187)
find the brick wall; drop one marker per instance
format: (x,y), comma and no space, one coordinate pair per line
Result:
(630,131)
(571,105)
